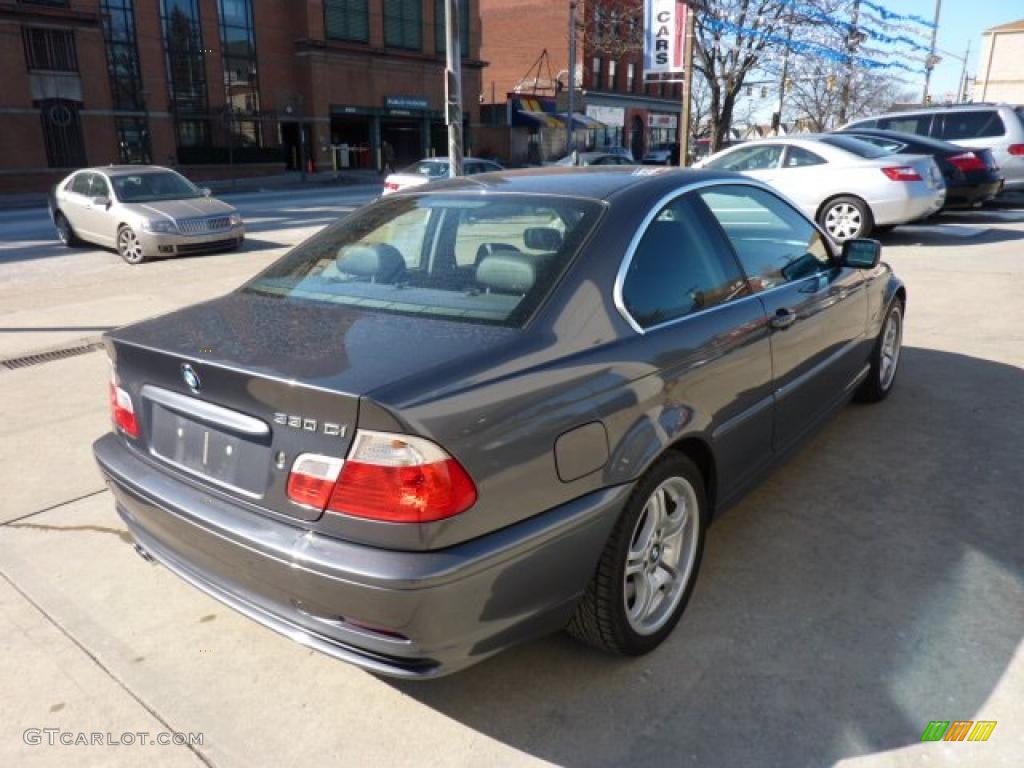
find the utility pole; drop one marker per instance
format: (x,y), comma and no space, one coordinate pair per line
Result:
(453,86)
(684,117)
(852,41)
(961,95)
(777,115)
(932,58)
(570,137)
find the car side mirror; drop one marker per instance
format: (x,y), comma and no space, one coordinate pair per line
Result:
(861,253)
(205,191)
(101,201)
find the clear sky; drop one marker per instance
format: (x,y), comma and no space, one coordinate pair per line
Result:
(959,21)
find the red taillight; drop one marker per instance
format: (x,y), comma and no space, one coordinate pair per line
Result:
(122,411)
(1017,150)
(312,479)
(391,186)
(902,173)
(400,479)
(968,161)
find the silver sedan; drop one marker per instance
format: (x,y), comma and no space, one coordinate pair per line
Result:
(848,186)
(144,212)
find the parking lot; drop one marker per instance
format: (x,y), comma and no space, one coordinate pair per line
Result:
(871,585)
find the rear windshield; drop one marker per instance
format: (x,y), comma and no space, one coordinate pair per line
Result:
(152,186)
(856,146)
(430,169)
(468,257)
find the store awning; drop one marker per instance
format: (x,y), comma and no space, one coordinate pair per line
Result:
(581,122)
(541,119)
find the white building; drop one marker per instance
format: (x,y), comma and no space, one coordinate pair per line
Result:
(1000,75)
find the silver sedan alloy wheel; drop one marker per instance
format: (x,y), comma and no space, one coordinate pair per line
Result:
(892,342)
(661,555)
(843,221)
(128,246)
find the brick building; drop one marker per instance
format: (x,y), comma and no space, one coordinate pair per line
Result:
(257,84)
(609,77)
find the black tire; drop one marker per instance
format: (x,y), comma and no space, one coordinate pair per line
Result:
(65,232)
(847,211)
(601,618)
(884,229)
(128,246)
(877,386)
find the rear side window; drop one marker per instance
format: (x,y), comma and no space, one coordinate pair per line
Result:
(81,183)
(918,124)
(984,123)
(467,257)
(798,157)
(749,159)
(853,145)
(680,266)
(774,243)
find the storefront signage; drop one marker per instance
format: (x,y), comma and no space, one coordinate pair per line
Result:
(406,102)
(661,121)
(613,117)
(664,33)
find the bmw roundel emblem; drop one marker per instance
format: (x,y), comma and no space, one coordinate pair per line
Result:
(188,373)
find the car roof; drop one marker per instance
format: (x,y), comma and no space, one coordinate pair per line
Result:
(593,182)
(925,110)
(125,170)
(906,138)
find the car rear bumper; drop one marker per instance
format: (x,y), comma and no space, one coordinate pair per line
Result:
(397,613)
(913,201)
(971,194)
(159,244)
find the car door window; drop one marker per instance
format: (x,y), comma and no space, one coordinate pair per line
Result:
(81,184)
(750,159)
(917,124)
(980,124)
(774,242)
(798,157)
(99,187)
(680,266)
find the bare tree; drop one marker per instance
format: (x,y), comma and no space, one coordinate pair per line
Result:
(814,97)
(613,28)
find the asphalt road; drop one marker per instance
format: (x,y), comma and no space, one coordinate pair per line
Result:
(871,585)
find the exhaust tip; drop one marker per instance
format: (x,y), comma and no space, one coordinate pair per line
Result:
(144,554)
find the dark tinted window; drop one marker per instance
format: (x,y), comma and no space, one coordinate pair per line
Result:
(80,184)
(798,157)
(680,266)
(99,187)
(774,242)
(863,124)
(854,146)
(472,258)
(971,125)
(906,123)
(877,141)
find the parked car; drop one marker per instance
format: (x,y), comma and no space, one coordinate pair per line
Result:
(620,151)
(849,187)
(464,417)
(971,175)
(434,169)
(998,127)
(661,154)
(593,158)
(144,212)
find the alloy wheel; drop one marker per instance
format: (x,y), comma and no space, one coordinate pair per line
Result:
(843,221)
(892,340)
(129,246)
(661,555)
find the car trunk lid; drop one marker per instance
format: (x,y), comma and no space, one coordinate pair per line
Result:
(230,392)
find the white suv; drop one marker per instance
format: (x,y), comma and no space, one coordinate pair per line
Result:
(999,127)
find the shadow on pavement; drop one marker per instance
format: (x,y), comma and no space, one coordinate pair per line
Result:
(933,236)
(871,585)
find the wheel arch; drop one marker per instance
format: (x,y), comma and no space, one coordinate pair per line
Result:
(700,452)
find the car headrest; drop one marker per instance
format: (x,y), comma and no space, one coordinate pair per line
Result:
(380,262)
(489,249)
(542,239)
(509,273)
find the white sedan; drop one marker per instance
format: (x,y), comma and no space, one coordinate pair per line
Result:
(434,169)
(848,186)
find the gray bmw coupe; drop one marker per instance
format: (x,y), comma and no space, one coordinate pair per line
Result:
(467,416)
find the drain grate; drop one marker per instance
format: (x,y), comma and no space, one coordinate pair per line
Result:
(47,357)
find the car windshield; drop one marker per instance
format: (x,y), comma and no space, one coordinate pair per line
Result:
(855,146)
(432,169)
(153,185)
(480,259)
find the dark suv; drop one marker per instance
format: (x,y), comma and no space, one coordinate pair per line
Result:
(998,127)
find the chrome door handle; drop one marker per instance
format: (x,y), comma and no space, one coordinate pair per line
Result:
(783,318)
